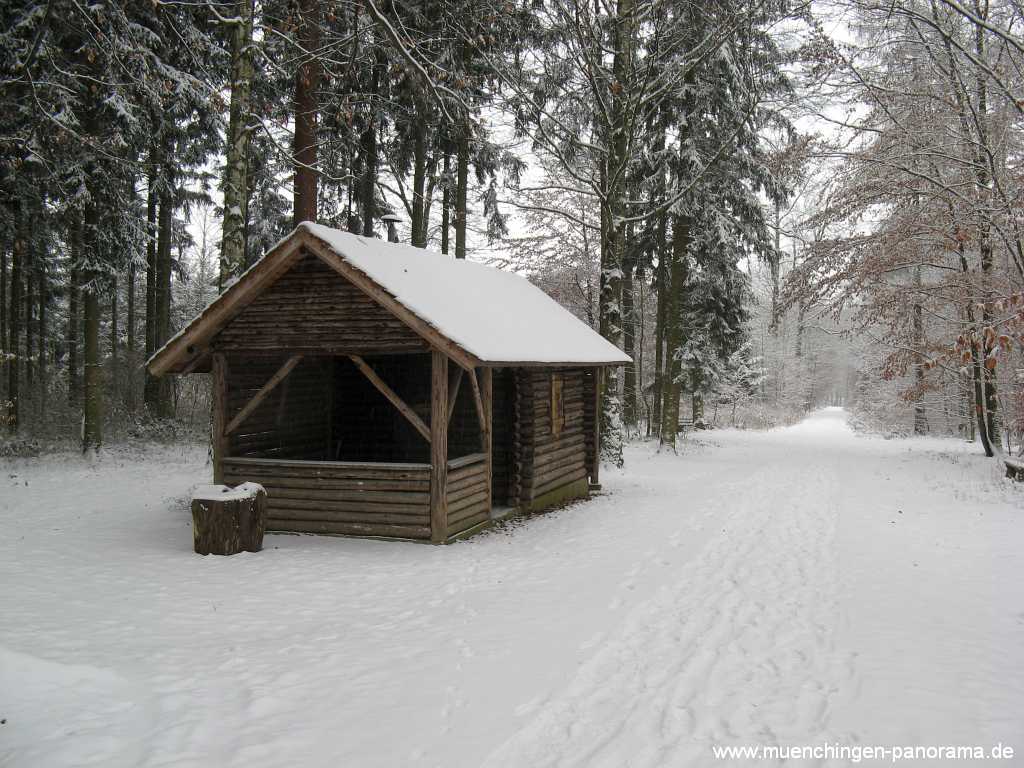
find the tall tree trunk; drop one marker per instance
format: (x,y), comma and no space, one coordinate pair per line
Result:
(613,212)
(798,350)
(132,361)
(3,312)
(162,294)
(42,292)
(14,325)
(461,192)
(920,417)
(773,266)
(985,246)
(674,328)
(115,373)
(428,196)
(419,182)
(236,167)
(446,206)
(74,321)
(307,84)
(984,379)
(28,269)
(977,360)
(368,191)
(629,404)
(151,386)
(92,412)
(659,325)
(983,422)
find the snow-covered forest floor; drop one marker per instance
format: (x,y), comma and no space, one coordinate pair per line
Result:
(792,587)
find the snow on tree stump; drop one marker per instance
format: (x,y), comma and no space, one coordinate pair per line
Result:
(1014,469)
(226,521)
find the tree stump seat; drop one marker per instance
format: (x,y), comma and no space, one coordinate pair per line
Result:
(1014,469)
(226,521)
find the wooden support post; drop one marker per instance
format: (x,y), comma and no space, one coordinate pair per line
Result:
(438,447)
(595,471)
(261,395)
(487,430)
(219,406)
(453,393)
(395,400)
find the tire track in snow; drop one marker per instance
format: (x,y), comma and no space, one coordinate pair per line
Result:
(735,648)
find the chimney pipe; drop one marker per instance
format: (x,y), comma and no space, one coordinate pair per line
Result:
(392,221)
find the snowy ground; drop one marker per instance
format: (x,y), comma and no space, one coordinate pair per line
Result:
(796,587)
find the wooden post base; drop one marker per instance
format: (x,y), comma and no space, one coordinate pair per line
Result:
(226,521)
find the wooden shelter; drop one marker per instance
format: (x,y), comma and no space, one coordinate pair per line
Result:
(378,389)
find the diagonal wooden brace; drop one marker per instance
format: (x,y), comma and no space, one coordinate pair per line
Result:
(453,393)
(260,396)
(392,396)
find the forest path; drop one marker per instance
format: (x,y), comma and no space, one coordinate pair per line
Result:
(736,645)
(850,595)
(791,587)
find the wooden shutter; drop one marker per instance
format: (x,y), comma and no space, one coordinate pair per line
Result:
(557,404)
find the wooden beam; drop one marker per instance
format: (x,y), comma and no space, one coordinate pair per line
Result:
(486,434)
(282,403)
(478,401)
(453,393)
(219,395)
(393,397)
(196,362)
(260,396)
(438,447)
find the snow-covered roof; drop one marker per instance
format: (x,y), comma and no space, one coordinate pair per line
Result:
(495,316)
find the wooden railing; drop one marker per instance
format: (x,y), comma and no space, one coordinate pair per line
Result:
(468,494)
(341,497)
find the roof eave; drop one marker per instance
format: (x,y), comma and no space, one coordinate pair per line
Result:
(553,364)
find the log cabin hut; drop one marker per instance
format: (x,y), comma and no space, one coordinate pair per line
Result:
(376,389)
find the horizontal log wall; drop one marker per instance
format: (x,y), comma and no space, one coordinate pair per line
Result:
(467,493)
(547,462)
(360,499)
(590,383)
(314,309)
(290,423)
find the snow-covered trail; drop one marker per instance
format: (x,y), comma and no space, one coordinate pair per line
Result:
(792,587)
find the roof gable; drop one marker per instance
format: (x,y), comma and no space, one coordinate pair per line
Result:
(313,310)
(475,313)
(495,315)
